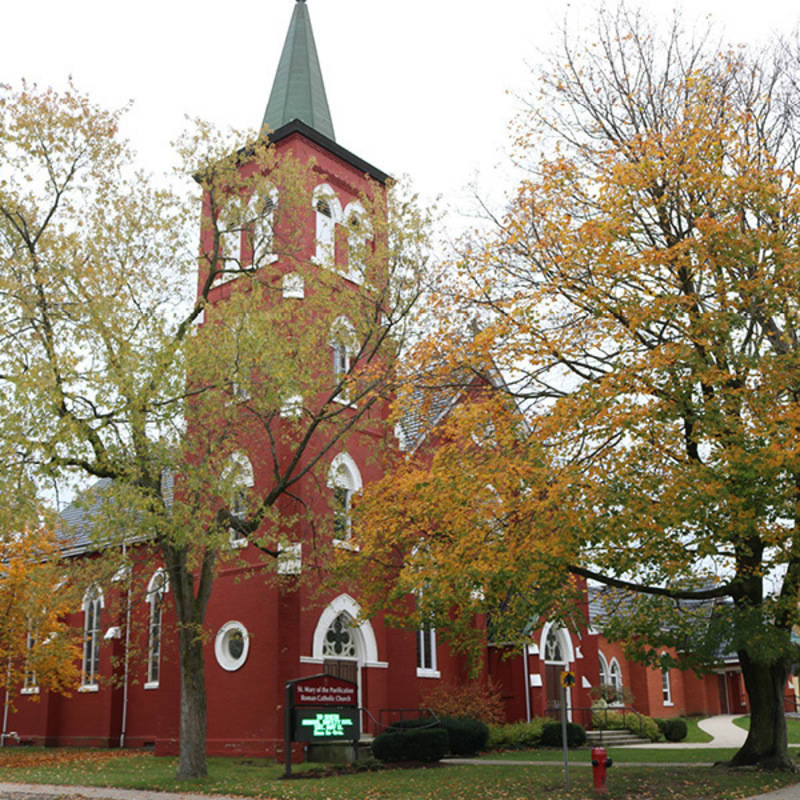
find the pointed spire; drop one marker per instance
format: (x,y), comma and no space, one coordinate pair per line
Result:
(298,91)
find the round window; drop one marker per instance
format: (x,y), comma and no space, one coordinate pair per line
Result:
(231,645)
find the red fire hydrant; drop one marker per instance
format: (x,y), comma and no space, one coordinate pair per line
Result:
(600,763)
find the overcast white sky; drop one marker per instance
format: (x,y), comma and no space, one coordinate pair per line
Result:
(417,87)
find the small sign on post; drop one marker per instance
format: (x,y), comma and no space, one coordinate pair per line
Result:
(320,709)
(567,680)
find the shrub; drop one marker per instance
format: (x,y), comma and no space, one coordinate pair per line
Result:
(475,699)
(516,736)
(411,744)
(551,735)
(467,736)
(636,723)
(417,722)
(674,729)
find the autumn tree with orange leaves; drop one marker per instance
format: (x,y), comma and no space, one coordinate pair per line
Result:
(623,361)
(38,649)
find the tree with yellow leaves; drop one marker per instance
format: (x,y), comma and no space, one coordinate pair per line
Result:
(623,361)
(129,358)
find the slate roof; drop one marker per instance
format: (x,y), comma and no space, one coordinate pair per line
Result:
(606,600)
(423,411)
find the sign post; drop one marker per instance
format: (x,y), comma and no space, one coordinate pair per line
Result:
(320,709)
(567,680)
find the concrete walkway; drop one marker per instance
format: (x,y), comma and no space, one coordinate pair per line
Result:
(721,727)
(725,733)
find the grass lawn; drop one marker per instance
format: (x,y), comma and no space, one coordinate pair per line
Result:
(620,755)
(693,732)
(792,727)
(253,778)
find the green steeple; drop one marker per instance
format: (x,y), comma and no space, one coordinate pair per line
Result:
(298,91)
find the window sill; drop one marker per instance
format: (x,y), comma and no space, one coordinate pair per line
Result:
(668,703)
(151,685)
(89,687)
(30,690)
(346,544)
(344,401)
(428,673)
(237,544)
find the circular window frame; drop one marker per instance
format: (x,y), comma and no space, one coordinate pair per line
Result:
(224,658)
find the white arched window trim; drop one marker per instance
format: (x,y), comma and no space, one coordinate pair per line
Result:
(259,228)
(91,606)
(367,643)
(358,233)
(564,638)
(327,214)
(666,686)
(344,344)
(344,478)
(238,476)
(605,675)
(615,680)
(157,587)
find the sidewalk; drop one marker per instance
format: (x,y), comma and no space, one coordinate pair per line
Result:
(721,727)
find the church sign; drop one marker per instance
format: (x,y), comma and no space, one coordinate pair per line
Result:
(320,709)
(324,690)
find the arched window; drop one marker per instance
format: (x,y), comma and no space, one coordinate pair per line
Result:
(327,212)
(30,683)
(92,603)
(358,234)
(259,226)
(615,682)
(605,676)
(666,686)
(345,480)
(156,589)
(237,479)
(339,640)
(553,650)
(344,345)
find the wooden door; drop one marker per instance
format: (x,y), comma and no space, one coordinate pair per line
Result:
(724,705)
(342,668)
(552,683)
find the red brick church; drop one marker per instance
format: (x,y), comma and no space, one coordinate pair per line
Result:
(261,635)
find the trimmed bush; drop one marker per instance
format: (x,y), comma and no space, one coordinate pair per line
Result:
(412,744)
(636,723)
(674,730)
(517,735)
(467,736)
(551,735)
(417,722)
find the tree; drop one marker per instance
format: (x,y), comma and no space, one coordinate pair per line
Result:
(38,649)
(629,337)
(114,367)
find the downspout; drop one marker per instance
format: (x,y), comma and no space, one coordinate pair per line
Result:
(127,648)
(5,706)
(526,671)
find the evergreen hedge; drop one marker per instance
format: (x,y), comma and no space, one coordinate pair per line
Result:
(551,735)
(411,744)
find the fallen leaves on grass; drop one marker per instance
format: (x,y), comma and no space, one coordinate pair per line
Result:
(21,757)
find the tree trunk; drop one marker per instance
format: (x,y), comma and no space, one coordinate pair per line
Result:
(765,745)
(191,610)
(192,759)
